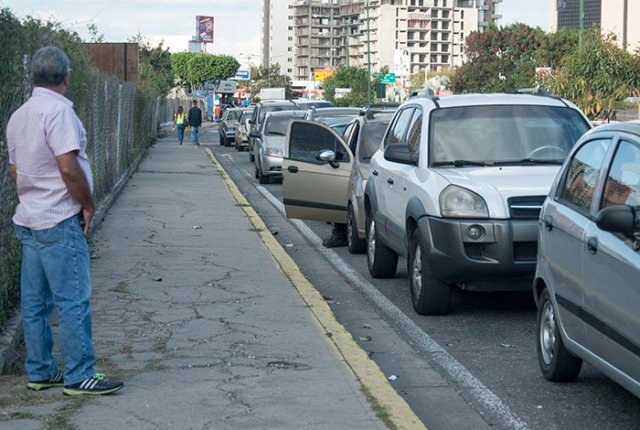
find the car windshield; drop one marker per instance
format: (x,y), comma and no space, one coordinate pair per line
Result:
(277,125)
(508,134)
(275,108)
(331,113)
(372,134)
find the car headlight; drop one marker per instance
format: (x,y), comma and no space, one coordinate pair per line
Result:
(458,202)
(273,152)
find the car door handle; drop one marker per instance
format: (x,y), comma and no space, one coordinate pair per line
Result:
(374,173)
(592,245)
(548,223)
(390,181)
(292,169)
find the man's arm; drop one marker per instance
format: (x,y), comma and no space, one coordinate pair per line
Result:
(77,184)
(13,172)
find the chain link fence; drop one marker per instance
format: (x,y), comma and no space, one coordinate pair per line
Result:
(121,123)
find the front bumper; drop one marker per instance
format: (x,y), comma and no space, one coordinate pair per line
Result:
(503,258)
(271,165)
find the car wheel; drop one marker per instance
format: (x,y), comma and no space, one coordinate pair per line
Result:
(256,172)
(221,139)
(236,145)
(429,295)
(252,157)
(354,243)
(556,362)
(381,260)
(262,178)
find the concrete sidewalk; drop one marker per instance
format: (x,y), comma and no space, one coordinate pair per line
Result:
(197,309)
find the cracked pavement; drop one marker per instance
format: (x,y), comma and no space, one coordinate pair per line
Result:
(192,312)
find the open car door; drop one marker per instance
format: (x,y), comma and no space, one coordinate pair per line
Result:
(315,170)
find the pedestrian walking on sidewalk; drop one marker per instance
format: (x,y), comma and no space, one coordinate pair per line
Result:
(180,123)
(195,121)
(48,160)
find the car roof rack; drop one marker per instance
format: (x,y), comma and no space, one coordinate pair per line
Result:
(540,91)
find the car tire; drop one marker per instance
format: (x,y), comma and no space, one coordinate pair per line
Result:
(556,362)
(429,295)
(221,139)
(355,245)
(381,260)
(252,157)
(262,178)
(256,172)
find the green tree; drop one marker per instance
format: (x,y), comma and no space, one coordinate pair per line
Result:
(94,33)
(596,75)
(196,68)
(499,60)
(268,77)
(155,73)
(349,77)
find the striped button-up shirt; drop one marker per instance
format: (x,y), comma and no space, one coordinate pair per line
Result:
(43,128)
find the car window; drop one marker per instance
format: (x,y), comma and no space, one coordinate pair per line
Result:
(582,175)
(372,134)
(622,186)
(307,140)
(277,125)
(415,131)
(353,137)
(275,108)
(504,133)
(400,126)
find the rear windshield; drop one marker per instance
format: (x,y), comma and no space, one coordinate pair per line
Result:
(504,134)
(372,134)
(277,125)
(274,108)
(245,115)
(233,114)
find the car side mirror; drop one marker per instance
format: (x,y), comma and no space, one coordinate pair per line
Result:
(328,156)
(400,153)
(254,135)
(251,121)
(617,219)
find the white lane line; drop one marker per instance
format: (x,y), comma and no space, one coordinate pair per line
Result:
(494,407)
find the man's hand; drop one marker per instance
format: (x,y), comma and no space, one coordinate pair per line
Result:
(87,216)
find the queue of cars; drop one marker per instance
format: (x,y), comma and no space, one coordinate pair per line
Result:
(487,192)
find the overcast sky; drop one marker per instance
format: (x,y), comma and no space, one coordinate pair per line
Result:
(237,22)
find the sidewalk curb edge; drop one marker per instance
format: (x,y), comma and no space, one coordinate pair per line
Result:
(366,371)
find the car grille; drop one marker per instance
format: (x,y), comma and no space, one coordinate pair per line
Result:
(526,207)
(525,251)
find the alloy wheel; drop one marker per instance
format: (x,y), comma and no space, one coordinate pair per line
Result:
(416,272)
(547,332)
(371,242)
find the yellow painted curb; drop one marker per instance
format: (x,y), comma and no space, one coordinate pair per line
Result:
(365,370)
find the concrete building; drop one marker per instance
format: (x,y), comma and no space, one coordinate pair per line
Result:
(612,16)
(277,34)
(405,35)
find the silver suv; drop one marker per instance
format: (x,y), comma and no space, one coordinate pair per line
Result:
(586,283)
(457,188)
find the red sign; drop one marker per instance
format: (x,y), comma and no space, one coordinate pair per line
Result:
(204,29)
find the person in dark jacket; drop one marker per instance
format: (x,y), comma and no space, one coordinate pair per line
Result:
(194,118)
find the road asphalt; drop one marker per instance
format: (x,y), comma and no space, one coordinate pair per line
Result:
(206,319)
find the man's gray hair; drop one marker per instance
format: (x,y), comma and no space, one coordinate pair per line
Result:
(49,66)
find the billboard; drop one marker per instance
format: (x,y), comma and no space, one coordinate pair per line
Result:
(402,63)
(322,74)
(204,29)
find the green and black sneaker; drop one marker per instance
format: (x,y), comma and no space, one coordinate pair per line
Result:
(54,381)
(96,385)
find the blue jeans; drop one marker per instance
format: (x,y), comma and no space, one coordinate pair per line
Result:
(180,130)
(194,135)
(55,272)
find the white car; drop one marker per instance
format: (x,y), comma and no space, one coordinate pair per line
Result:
(457,188)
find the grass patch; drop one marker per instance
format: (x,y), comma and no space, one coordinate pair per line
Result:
(242,205)
(380,411)
(61,420)
(122,287)
(256,230)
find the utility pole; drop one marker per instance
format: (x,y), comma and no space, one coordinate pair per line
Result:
(368,56)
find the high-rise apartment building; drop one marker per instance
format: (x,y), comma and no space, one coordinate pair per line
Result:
(611,16)
(277,34)
(405,35)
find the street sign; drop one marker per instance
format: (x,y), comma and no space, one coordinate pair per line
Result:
(341,92)
(389,78)
(243,75)
(226,87)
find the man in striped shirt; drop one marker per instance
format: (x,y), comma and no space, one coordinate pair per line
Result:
(48,160)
